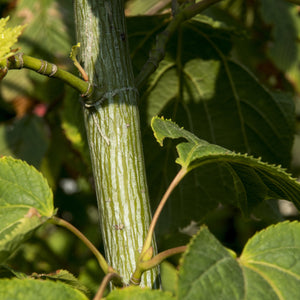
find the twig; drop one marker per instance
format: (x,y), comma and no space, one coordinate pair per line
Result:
(19,61)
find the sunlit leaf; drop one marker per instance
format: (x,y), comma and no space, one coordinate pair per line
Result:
(137,293)
(63,276)
(267,269)
(49,35)
(8,38)
(37,289)
(26,202)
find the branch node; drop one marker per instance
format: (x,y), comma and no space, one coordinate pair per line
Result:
(19,59)
(105,95)
(135,281)
(88,92)
(53,70)
(20,56)
(42,70)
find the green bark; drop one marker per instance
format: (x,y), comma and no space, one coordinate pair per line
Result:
(113,132)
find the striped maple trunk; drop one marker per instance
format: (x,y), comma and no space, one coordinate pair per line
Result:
(113,132)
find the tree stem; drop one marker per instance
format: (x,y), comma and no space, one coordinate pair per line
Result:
(113,130)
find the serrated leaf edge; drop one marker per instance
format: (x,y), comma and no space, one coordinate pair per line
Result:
(9,159)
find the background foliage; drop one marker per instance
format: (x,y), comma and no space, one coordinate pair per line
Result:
(230,76)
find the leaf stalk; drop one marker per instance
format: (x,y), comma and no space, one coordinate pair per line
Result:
(101,260)
(106,280)
(160,257)
(135,278)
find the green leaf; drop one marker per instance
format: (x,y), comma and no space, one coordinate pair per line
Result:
(267,269)
(137,293)
(26,202)
(208,271)
(279,15)
(252,180)
(37,289)
(60,275)
(25,138)
(8,272)
(168,274)
(212,96)
(51,22)
(200,87)
(65,277)
(8,37)
(270,262)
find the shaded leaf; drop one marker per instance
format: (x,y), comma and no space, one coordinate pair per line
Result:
(16,83)
(201,88)
(227,176)
(8,272)
(279,15)
(267,269)
(26,202)
(137,293)
(219,100)
(37,289)
(20,137)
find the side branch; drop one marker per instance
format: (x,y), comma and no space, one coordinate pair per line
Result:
(185,12)
(43,67)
